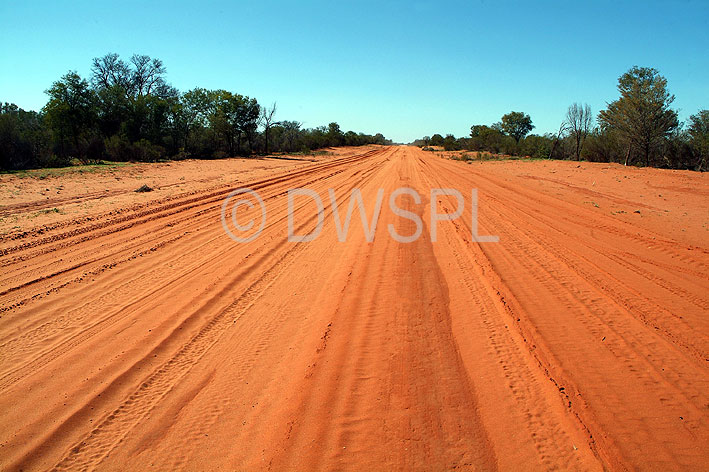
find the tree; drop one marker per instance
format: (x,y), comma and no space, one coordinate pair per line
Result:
(335,136)
(538,147)
(110,71)
(141,77)
(379,139)
(699,134)
(114,109)
(71,114)
(138,113)
(450,143)
(247,118)
(436,140)
(291,132)
(562,129)
(579,122)
(147,75)
(23,138)
(268,122)
(351,139)
(642,114)
(226,113)
(516,124)
(487,138)
(128,111)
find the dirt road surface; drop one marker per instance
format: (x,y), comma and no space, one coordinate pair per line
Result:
(141,337)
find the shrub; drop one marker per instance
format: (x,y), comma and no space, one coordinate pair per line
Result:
(181,155)
(56,161)
(146,151)
(118,148)
(95,151)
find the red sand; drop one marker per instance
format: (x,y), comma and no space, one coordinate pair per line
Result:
(134,334)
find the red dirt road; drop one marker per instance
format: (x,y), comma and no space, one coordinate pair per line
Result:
(145,338)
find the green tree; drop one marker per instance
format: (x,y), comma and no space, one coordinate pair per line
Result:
(226,112)
(605,144)
(699,135)
(196,108)
(291,133)
(538,147)
(129,111)
(436,140)
(113,109)
(487,138)
(24,139)
(378,139)
(335,136)
(71,114)
(516,124)
(222,117)
(351,139)
(137,109)
(247,119)
(642,114)
(449,143)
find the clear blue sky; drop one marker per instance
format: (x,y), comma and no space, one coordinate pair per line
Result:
(405,69)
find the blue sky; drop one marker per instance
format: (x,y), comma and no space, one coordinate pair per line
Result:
(405,69)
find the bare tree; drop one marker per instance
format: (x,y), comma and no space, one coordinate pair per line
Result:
(562,129)
(267,115)
(142,76)
(579,122)
(148,74)
(109,71)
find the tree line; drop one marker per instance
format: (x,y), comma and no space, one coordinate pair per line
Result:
(638,128)
(126,111)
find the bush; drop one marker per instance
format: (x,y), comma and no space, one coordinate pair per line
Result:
(181,155)
(118,148)
(95,151)
(56,161)
(146,151)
